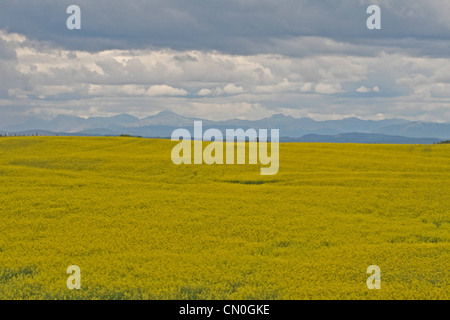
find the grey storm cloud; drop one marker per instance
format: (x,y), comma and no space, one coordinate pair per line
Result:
(232,26)
(226,59)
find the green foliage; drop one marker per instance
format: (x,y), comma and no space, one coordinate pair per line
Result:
(129,136)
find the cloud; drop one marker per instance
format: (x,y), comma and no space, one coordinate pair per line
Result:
(116,90)
(326,88)
(235,26)
(335,79)
(233,89)
(165,90)
(363,89)
(222,110)
(204,92)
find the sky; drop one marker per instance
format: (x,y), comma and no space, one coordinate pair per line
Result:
(226,59)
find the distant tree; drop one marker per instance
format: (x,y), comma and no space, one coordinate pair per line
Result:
(445,142)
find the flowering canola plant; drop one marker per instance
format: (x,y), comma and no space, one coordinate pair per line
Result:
(140,227)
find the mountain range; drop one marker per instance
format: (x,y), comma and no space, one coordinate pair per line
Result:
(291,129)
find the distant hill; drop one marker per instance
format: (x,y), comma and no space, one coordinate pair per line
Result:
(417,130)
(356,137)
(164,123)
(39,133)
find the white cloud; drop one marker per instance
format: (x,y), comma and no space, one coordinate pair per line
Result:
(326,88)
(12,37)
(116,90)
(364,89)
(307,87)
(165,90)
(222,110)
(232,89)
(144,81)
(204,92)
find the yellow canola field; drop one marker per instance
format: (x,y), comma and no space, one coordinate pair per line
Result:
(140,227)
